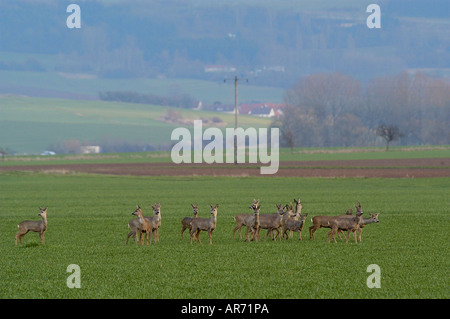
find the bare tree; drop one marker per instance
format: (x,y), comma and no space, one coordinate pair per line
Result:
(389,133)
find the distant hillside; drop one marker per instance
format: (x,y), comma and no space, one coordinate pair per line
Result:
(272,42)
(32,125)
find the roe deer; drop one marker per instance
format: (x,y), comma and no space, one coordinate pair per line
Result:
(33,225)
(292,225)
(324,222)
(186,221)
(254,224)
(243,220)
(156,221)
(349,223)
(208,224)
(298,212)
(144,225)
(134,226)
(366,221)
(272,222)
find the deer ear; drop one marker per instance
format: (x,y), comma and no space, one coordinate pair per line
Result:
(40,208)
(45,209)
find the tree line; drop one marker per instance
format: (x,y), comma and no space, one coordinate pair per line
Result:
(334,109)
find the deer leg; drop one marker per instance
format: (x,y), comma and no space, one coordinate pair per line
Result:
(198,236)
(312,230)
(17,236)
(331,233)
(20,235)
(268,231)
(41,234)
(238,227)
(141,237)
(20,238)
(210,237)
(182,231)
(135,237)
(128,236)
(359,236)
(278,234)
(299,235)
(191,233)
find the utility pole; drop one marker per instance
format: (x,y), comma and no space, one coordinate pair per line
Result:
(236,111)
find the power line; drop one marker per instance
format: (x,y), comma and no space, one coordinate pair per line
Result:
(236,111)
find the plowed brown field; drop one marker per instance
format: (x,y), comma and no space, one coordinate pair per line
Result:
(393,168)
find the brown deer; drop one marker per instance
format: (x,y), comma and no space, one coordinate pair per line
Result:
(134,226)
(36,226)
(254,224)
(348,223)
(156,221)
(186,221)
(243,220)
(143,225)
(272,222)
(324,222)
(294,225)
(298,212)
(366,221)
(207,224)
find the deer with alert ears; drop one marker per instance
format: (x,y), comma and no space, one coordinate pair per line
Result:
(36,226)
(324,221)
(143,226)
(244,220)
(254,223)
(294,225)
(346,222)
(272,222)
(366,221)
(156,221)
(186,221)
(207,224)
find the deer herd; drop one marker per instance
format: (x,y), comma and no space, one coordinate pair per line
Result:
(282,224)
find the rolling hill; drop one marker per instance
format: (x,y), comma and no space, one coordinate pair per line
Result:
(31,125)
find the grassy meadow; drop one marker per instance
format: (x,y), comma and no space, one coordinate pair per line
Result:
(87,226)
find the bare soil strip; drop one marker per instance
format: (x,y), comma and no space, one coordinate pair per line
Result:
(389,168)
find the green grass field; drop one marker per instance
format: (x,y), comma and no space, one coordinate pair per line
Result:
(299,154)
(87,226)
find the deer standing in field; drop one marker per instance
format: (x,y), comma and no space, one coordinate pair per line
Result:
(207,224)
(135,228)
(272,222)
(297,214)
(139,225)
(156,221)
(36,226)
(324,222)
(366,221)
(186,221)
(293,224)
(244,220)
(348,223)
(254,224)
